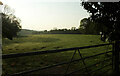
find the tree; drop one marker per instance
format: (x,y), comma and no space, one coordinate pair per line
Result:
(88,27)
(10,23)
(107,14)
(73,28)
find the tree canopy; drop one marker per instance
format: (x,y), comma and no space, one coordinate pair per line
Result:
(88,27)
(10,23)
(107,14)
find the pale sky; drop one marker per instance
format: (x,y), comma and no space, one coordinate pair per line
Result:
(48,14)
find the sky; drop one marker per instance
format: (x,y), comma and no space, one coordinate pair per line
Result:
(48,14)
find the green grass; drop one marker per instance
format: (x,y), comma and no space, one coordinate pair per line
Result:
(44,42)
(47,42)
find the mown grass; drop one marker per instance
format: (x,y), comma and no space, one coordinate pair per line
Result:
(47,42)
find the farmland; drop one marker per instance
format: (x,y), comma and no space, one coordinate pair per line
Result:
(48,41)
(44,42)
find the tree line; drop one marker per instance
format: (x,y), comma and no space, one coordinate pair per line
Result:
(86,27)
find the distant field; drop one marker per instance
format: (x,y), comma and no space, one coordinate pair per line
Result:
(47,42)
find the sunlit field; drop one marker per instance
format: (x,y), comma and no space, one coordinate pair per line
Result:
(44,42)
(48,42)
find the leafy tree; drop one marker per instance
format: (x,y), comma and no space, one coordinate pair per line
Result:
(107,14)
(73,28)
(10,23)
(88,27)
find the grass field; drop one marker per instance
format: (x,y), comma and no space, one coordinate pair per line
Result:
(47,42)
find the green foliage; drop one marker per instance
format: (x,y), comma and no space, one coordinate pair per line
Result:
(107,14)
(88,27)
(10,25)
(73,30)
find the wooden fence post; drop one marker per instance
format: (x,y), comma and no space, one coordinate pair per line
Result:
(116,49)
